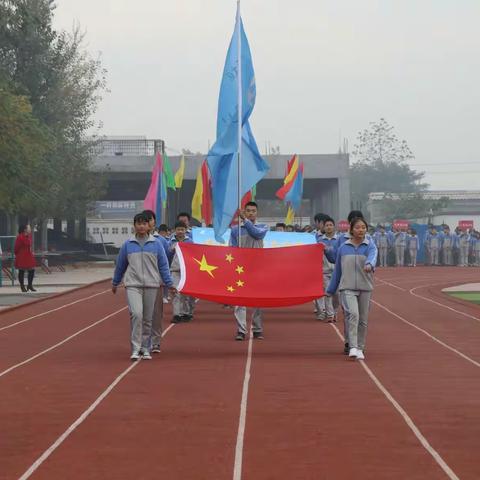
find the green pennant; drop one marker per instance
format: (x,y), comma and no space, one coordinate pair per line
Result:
(167,170)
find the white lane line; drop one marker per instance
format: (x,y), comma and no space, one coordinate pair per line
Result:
(53,347)
(410,423)
(435,339)
(35,465)
(391,284)
(237,468)
(412,291)
(53,310)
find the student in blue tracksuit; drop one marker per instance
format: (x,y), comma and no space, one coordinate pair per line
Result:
(434,244)
(413,244)
(143,262)
(353,278)
(182,304)
(157,320)
(325,309)
(251,236)
(343,237)
(400,243)
(382,242)
(464,248)
(448,244)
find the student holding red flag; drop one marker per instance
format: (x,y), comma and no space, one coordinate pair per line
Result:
(251,236)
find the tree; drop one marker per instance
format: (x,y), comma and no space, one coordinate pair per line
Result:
(380,165)
(63,85)
(24,141)
(408,206)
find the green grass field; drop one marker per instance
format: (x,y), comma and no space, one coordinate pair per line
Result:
(473,297)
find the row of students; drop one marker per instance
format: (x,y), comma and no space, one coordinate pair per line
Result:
(441,247)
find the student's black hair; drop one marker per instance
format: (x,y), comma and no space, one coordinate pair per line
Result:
(329,219)
(355,220)
(320,217)
(140,218)
(184,214)
(354,214)
(280,224)
(180,224)
(22,228)
(163,228)
(251,204)
(150,214)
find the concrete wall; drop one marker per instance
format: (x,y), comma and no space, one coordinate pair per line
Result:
(326,182)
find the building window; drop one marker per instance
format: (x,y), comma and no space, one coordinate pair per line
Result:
(96,230)
(132,230)
(88,231)
(105,230)
(115,231)
(124,230)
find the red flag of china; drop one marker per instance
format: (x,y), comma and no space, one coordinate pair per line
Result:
(251,277)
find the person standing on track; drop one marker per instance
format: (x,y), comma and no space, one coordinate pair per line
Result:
(413,246)
(400,246)
(353,278)
(382,243)
(157,319)
(448,243)
(325,309)
(143,262)
(24,259)
(181,303)
(251,236)
(464,247)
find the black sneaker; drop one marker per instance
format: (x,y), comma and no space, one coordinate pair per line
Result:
(186,318)
(176,319)
(258,335)
(240,337)
(346,349)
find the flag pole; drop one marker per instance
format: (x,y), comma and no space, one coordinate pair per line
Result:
(239,119)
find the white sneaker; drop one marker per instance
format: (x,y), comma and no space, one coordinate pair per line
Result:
(146,356)
(360,355)
(135,356)
(352,354)
(165,300)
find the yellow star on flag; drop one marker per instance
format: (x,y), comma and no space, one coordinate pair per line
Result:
(205,267)
(240,283)
(230,288)
(229,258)
(239,269)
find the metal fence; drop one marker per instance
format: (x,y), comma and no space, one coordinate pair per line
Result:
(7,257)
(127,147)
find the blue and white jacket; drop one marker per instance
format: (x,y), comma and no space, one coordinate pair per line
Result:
(349,273)
(145,267)
(332,254)
(329,245)
(449,240)
(413,243)
(252,234)
(172,256)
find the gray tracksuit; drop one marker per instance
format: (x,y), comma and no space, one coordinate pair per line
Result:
(252,235)
(355,286)
(143,265)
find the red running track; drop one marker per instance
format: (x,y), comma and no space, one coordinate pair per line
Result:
(310,413)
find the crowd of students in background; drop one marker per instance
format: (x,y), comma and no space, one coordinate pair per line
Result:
(441,246)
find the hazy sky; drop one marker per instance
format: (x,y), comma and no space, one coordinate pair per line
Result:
(322,67)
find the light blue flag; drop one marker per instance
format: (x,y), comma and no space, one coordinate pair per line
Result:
(223,157)
(206,236)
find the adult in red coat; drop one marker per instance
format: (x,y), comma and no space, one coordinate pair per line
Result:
(24,259)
